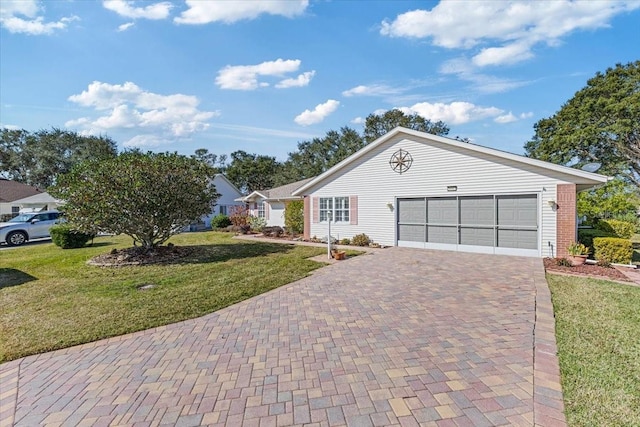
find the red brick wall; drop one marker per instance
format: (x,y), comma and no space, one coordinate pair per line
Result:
(307,218)
(566,218)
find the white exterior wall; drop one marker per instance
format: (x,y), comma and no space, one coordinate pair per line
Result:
(274,211)
(435,166)
(276,214)
(5,208)
(227,195)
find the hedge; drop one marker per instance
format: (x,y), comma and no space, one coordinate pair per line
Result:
(586,236)
(67,237)
(622,229)
(220,221)
(294,216)
(613,249)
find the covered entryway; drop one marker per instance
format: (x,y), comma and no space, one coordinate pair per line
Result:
(500,224)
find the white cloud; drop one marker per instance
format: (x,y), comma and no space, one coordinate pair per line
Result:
(454,113)
(482,83)
(127,106)
(308,117)
(372,90)
(125,27)
(145,141)
(508,54)
(24,17)
(10,127)
(128,10)
(358,121)
(514,26)
(204,12)
(302,80)
(245,130)
(245,77)
(510,117)
(506,118)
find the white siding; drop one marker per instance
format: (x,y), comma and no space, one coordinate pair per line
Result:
(5,208)
(435,166)
(227,195)
(276,214)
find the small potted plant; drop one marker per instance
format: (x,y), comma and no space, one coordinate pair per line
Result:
(578,253)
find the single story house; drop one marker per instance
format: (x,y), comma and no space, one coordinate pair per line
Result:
(38,202)
(228,195)
(270,204)
(414,189)
(11,192)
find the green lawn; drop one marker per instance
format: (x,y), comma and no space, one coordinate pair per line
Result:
(51,299)
(598,333)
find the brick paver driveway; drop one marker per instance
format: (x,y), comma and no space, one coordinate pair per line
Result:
(398,337)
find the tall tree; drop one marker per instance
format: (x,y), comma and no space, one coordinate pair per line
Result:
(316,156)
(601,123)
(211,159)
(149,197)
(250,172)
(377,125)
(38,158)
(614,199)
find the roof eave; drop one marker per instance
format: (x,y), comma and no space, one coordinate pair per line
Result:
(593,178)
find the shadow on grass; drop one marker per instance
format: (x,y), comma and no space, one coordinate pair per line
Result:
(227,252)
(218,252)
(12,277)
(98,244)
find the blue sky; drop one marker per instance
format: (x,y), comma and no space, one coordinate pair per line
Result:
(261,76)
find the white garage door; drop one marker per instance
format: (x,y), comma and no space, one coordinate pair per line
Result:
(503,224)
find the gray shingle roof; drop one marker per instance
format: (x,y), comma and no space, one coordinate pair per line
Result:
(284,191)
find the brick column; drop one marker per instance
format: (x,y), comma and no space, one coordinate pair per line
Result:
(566,213)
(307,218)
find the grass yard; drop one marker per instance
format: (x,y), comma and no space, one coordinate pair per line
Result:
(51,299)
(598,334)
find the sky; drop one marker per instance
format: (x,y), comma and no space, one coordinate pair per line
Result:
(262,76)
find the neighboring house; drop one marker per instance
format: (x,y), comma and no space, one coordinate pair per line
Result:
(38,202)
(410,188)
(228,195)
(270,204)
(11,192)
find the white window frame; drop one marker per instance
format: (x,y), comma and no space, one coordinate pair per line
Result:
(262,209)
(325,205)
(337,207)
(341,209)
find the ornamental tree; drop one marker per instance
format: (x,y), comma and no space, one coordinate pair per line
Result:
(149,197)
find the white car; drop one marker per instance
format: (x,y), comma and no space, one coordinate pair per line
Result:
(31,225)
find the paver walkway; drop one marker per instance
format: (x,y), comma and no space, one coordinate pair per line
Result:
(396,337)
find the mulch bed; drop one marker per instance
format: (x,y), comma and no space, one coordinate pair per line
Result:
(136,256)
(590,270)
